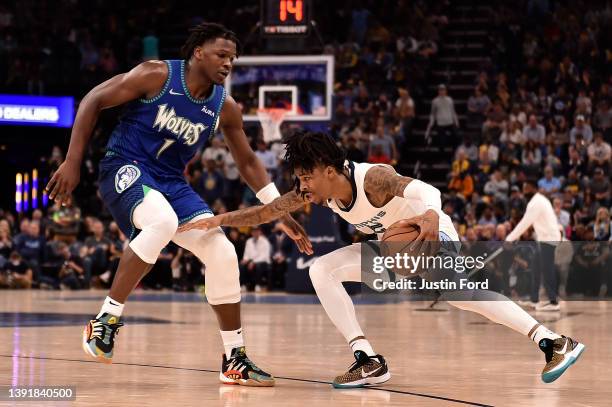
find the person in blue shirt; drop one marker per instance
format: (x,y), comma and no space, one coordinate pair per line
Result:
(173,107)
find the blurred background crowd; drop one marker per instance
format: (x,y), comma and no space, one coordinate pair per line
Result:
(534,103)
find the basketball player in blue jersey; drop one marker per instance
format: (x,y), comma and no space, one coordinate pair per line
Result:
(174,107)
(372,198)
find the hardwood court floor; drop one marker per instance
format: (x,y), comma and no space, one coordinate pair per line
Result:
(168,354)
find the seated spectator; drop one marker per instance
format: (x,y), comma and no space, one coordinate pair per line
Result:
(17,273)
(488,218)
(211,182)
(497,186)
(581,128)
(98,251)
(65,222)
(377,156)
(72,271)
(469,149)
(477,107)
(599,153)
(602,225)
(534,131)
(6,244)
(496,121)
(255,263)
(563,216)
(575,162)
(461,163)
(549,185)
(602,119)
(24,228)
(281,250)
(216,151)
(600,187)
(513,133)
(267,157)
(531,159)
(352,152)
(31,247)
(463,184)
(385,142)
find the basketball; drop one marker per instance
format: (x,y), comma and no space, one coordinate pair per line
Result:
(401,231)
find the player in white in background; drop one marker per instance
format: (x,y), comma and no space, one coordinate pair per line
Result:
(541,215)
(373,197)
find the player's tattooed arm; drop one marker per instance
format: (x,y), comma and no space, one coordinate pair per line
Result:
(255,215)
(381,184)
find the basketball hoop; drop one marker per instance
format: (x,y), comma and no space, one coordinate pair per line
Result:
(271,120)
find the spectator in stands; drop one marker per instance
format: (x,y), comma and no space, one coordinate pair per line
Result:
(6,243)
(98,251)
(382,145)
(211,183)
(602,225)
(549,185)
(563,216)
(496,121)
(497,186)
(216,151)
(65,222)
(534,131)
(72,270)
(255,263)
(24,231)
(17,273)
(531,159)
(405,113)
(469,149)
(31,248)
(513,133)
(602,119)
(600,187)
(281,251)
(352,152)
(267,157)
(478,104)
(443,118)
(581,128)
(599,153)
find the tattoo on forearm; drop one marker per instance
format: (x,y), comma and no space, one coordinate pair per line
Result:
(381,184)
(256,215)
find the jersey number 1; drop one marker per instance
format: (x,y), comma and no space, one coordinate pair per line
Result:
(167,143)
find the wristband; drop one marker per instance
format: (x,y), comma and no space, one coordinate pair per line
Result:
(268,193)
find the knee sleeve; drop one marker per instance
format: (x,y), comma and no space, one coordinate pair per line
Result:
(157,222)
(219,256)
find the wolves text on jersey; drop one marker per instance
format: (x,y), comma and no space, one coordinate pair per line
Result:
(183,128)
(373,223)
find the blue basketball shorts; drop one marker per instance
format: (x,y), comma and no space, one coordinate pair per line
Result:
(124,183)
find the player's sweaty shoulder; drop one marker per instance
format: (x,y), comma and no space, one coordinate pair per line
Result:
(150,76)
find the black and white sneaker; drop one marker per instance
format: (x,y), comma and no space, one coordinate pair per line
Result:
(365,371)
(239,369)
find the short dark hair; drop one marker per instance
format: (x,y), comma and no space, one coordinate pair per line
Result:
(306,150)
(205,32)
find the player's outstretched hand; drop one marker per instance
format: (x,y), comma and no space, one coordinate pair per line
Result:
(429,226)
(296,232)
(63,182)
(204,224)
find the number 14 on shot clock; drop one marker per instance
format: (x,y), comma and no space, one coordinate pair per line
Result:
(286,18)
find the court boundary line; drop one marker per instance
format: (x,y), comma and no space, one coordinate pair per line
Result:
(408,393)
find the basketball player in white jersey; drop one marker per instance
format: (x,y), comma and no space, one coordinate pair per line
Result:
(373,197)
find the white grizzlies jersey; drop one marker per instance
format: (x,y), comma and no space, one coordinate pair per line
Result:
(370,219)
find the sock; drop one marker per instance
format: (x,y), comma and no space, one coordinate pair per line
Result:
(231,340)
(112,307)
(363,345)
(539,332)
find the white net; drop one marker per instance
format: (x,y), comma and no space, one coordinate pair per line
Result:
(271,120)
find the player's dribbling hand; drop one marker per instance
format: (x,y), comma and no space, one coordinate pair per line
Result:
(429,226)
(63,182)
(204,224)
(297,233)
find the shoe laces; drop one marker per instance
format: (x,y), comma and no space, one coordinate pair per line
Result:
(361,361)
(98,329)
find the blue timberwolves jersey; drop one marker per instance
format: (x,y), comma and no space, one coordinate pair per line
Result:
(163,133)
